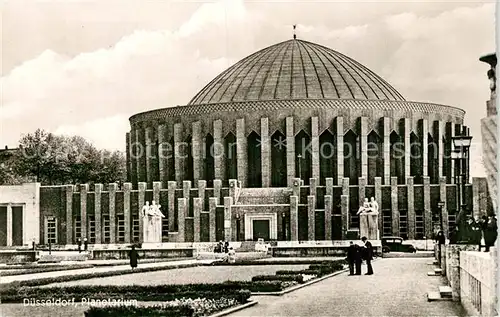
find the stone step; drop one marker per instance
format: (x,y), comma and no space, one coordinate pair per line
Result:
(445,291)
(438,271)
(435,296)
(433,263)
(432,274)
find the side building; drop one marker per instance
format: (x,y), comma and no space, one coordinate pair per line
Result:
(489,131)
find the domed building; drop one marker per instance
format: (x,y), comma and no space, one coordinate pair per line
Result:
(299,110)
(284,145)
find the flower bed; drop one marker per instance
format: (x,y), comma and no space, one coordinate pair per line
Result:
(177,300)
(230,289)
(179,307)
(134,311)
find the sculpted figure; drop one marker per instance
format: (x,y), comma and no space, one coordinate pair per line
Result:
(157,223)
(373,220)
(363,218)
(374,205)
(145,213)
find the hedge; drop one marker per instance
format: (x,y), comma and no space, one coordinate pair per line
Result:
(294,278)
(134,311)
(231,289)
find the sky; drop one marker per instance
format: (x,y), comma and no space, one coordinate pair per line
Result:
(84,67)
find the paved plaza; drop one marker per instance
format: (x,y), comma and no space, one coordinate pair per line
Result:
(398,288)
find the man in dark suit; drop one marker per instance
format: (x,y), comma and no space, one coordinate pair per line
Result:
(351,256)
(368,255)
(357,259)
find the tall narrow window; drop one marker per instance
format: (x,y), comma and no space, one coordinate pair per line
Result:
(51,230)
(91,229)
(278,160)
(303,157)
(106,229)
(164,229)
(403,224)
(231,156)
(254,160)
(387,222)
(120,228)
(78,228)
(419,224)
(135,228)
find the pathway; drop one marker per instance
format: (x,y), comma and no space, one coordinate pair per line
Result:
(398,288)
(8,279)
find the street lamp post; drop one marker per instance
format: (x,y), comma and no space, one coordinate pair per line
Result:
(460,156)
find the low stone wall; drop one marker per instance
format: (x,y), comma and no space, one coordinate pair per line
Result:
(421,245)
(313,251)
(18,256)
(326,243)
(309,251)
(452,265)
(472,276)
(118,254)
(478,275)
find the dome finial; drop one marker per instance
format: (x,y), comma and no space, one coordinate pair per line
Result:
(294,35)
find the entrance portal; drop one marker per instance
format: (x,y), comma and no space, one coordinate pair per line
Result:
(261,230)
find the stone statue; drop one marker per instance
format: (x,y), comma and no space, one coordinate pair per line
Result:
(145,213)
(363,218)
(493,81)
(368,219)
(157,224)
(373,220)
(152,219)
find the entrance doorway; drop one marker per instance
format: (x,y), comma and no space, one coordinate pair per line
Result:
(261,230)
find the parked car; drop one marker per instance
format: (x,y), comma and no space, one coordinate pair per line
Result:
(396,244)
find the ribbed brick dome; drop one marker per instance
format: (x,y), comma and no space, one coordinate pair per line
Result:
(296,69)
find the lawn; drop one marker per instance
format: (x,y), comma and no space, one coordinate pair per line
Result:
(200,274)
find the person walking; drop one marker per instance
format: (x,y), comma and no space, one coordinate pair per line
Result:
(79,242)
(231,256)
(351,257)
(134,256)
(368,255)
(441,240)
(85,244)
